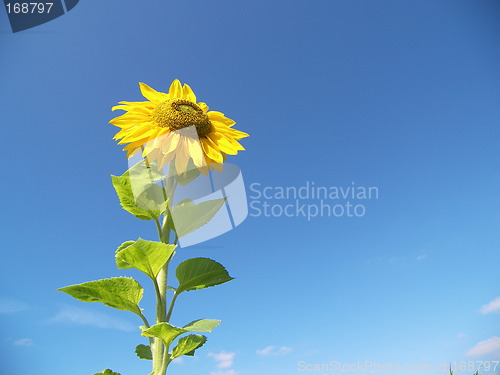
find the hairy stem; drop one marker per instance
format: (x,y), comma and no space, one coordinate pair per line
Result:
(165,362)
(171,307)
(146,324)
(160,352)
(158,348)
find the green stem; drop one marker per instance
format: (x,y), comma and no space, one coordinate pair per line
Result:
(158,228)
(165,362)
(171,307)
(159,301)
(160,352)
(157,348)
(146,323)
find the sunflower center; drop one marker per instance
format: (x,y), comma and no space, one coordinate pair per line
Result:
(177,114)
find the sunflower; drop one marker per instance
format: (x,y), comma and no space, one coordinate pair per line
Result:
(175,127)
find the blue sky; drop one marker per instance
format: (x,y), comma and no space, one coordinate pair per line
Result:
(398,95)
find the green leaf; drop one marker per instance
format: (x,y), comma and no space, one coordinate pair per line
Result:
(152,199)
(199,273)
(120,264)
(168,333)
(165,331)
(187,345)
(107,372)
(150,202)
(147,256)
(188,216)
(122,293)
(144,352)
(201,325)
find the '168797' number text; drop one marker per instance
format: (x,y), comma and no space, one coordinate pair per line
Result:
(25,8)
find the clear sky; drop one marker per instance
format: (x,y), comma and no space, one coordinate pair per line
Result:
(398,95)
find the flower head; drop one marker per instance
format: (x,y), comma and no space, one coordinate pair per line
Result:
(175,127)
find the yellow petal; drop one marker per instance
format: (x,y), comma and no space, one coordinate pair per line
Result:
(154,143)
(169,142)
(131,116)
(181,160)
(211,149)
(215,113)
(195,151)
(236,134)
(142,133)
(132,120)
(204,169)
(228,132)
(135,104)
(151,94)
(151,156)
(188,93)
(123,107)
(217,166)
(218,116)
(132,152)
(166,159)
(175,90)
(226,146)
(136,110)
(234,144)
(132,146)
(220,126)
(124,132)
(203,106)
